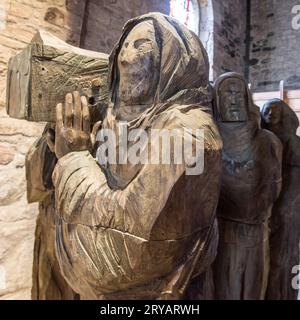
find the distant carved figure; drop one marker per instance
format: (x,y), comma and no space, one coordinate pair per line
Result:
(278,117)
(251,182)
(126,231)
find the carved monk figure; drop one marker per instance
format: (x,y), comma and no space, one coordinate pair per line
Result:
(278,117)
(139,231)
(251,183)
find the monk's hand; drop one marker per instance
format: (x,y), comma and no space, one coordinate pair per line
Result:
(73,129)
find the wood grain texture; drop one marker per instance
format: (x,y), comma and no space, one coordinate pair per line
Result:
(251,182)
(139,231)
(143,231)
(47,280)
(40,76)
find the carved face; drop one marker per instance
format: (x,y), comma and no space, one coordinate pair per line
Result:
(233,103)
(138,63)
(271,114)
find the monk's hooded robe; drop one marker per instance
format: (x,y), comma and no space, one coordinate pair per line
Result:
(285,219)
(251,182)
(144,231)
(47,280)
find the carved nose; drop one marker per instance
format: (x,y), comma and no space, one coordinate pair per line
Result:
(123,57)
(126,57)
(124,62)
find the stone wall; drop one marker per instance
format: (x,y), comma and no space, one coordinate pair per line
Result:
(206,30)
(223,34)
(104,20)
(274,49)
(229,36)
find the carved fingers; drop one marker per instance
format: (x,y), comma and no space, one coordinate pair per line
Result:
(72,131)
(59,117)
(68,121)
(86,125)
(77,111)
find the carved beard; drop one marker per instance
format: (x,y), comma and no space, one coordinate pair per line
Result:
(236,115)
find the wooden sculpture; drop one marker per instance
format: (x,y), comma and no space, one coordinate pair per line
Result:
(278,117)
(142,231)
(251,182)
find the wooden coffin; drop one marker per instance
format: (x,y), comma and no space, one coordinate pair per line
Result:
(40,76)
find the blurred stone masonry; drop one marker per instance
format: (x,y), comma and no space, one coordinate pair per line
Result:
(274,46)
(229,36)
(105,20)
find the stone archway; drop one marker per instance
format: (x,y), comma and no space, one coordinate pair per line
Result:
(206,31)
(198,16)
(221,30)
(187,12)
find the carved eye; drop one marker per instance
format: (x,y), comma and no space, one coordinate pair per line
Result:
(126,44)
(140,42)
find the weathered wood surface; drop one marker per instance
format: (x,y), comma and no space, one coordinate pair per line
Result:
(291,97)
(47,280)
(140,231)
(279,117)
(251,182)
(40,76)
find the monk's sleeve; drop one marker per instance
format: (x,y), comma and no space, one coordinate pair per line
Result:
(84,197)
(293,151)
(40,163)
(278,170)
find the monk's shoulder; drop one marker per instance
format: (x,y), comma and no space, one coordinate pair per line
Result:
(269,137)
(188,116)
(192,118)
(269,141)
